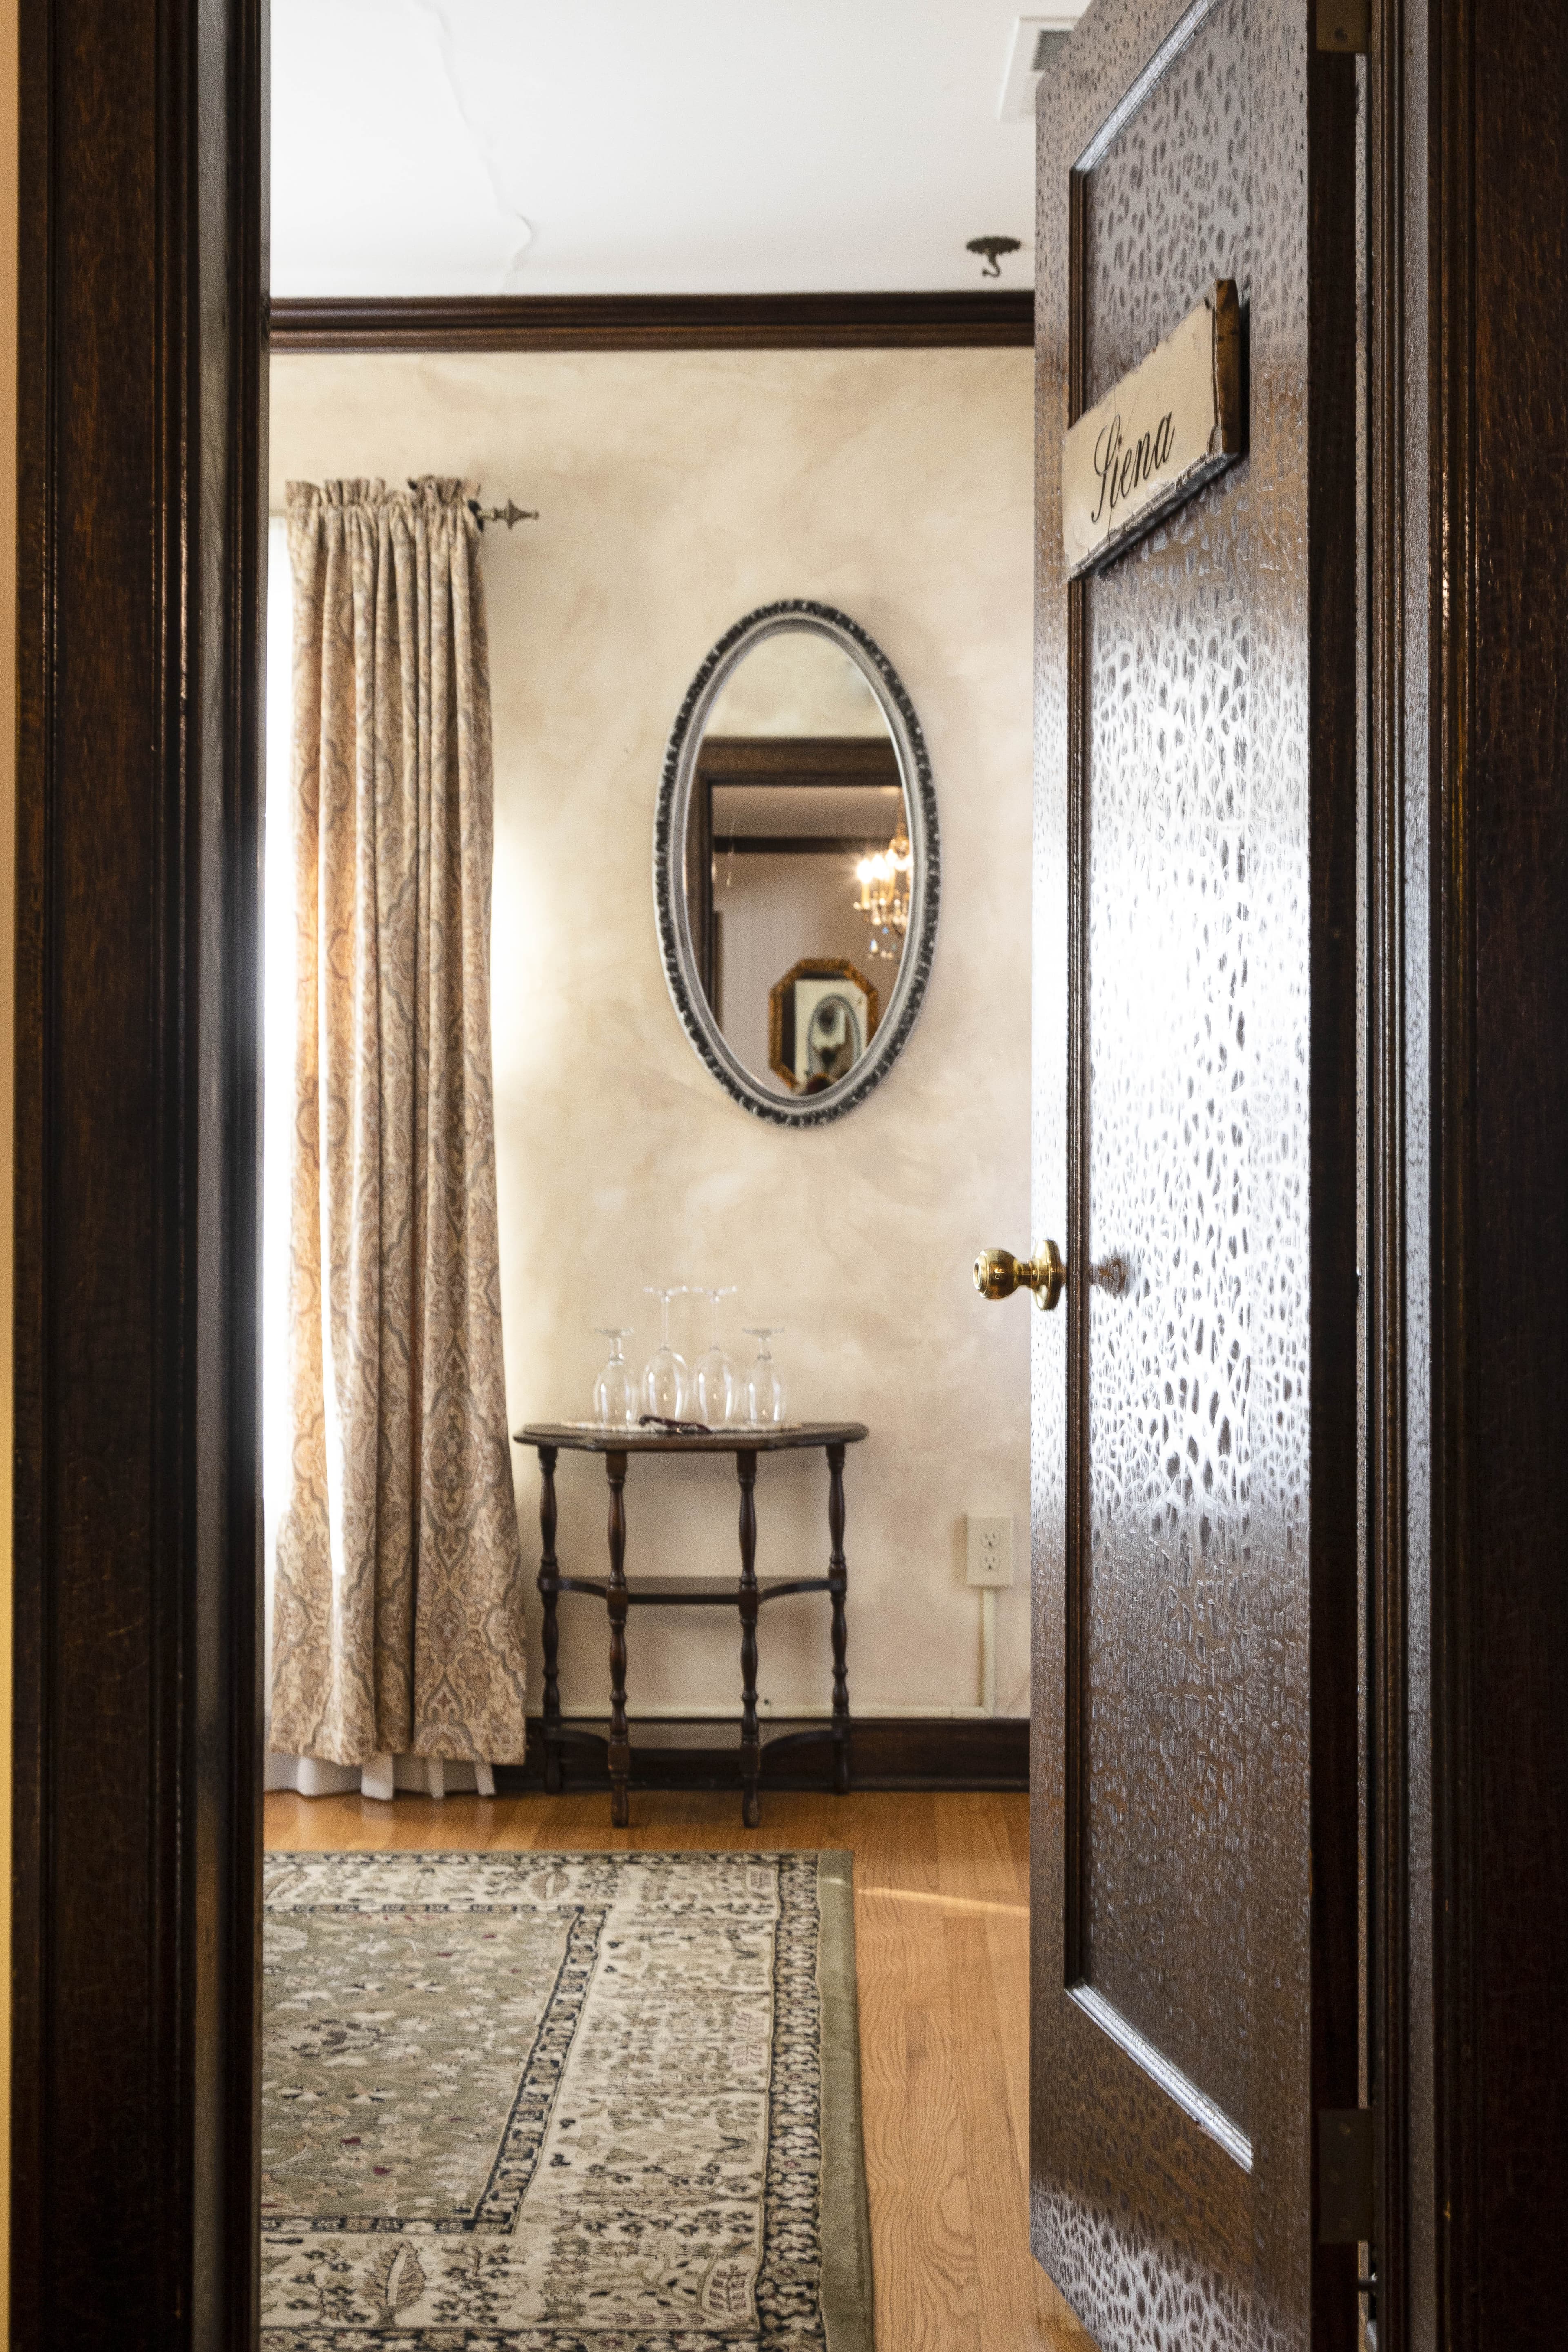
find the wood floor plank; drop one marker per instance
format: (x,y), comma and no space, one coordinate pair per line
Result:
(910,2060)
(942,1957)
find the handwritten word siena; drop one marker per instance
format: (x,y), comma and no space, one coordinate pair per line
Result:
(1121,469)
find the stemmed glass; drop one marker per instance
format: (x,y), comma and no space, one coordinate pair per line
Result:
(715,1383)
(615,1390)
(665,1384)
(763,1395)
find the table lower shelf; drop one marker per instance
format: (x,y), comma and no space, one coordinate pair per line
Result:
(686,1592)
(577,1755)
(744,1599)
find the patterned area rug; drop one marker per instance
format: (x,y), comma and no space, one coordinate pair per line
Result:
(561,2102)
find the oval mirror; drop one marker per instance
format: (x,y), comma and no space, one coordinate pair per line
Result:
(795,863)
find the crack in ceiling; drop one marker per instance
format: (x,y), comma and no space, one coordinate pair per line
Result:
(612,147)
(489,139)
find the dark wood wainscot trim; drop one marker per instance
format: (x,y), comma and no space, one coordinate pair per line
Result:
(903,1752)
(656,323)
(142,552)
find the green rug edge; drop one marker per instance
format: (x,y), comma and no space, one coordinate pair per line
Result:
(846,2226)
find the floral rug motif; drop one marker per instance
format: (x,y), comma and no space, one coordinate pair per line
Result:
(561,2102)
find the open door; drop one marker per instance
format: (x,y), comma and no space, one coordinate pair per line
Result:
(1195,1517)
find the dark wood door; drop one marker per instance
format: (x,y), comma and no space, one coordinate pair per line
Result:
(1195,1542)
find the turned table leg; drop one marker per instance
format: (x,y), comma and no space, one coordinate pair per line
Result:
(837,1584)
(549,1587)
(750,1738)
(620,1747)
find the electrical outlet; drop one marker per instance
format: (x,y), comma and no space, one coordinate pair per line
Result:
(990,1549)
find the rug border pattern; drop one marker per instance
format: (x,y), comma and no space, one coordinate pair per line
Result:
(806,2299)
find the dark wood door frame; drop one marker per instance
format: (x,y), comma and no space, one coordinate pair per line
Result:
(141,558)
(1396,497)
(1469,188)
(142,548)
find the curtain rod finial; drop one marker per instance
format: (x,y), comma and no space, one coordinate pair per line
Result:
(509,514)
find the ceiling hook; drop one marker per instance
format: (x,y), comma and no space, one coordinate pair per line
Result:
(993,249)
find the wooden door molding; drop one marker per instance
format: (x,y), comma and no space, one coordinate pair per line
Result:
(1470,611)
(140,573)
(1399,1927)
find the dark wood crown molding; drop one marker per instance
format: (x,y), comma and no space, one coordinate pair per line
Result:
(656,323)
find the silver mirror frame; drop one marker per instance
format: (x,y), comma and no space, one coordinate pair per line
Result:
(676,943)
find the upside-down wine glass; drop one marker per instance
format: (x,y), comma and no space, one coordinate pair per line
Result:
(665,1386)
(615,1390)
(715,1383)
(763,1395)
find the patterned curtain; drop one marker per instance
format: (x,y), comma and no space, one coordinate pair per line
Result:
(398,1611)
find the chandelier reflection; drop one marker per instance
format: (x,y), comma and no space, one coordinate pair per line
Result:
(884,892)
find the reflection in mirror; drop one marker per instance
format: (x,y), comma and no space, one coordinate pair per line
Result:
(822,1016)
(804,804)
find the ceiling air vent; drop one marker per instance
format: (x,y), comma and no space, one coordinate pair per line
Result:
(1036,42)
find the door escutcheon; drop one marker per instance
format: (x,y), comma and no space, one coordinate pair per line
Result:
(998,1274)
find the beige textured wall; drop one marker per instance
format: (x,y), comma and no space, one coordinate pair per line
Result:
(678,490)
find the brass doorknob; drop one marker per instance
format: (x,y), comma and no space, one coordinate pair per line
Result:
(998,1274)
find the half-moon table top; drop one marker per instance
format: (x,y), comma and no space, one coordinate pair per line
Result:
(587,1437)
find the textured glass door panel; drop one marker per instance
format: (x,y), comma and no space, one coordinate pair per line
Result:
(1165,1935)
(1193,1869)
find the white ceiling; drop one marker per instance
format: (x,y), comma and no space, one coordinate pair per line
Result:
(644,146)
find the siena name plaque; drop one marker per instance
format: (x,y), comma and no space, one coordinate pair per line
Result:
(1170,425)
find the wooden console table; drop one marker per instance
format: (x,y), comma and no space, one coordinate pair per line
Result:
(552,1438)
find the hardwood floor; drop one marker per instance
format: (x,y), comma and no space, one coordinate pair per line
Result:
(942,1956)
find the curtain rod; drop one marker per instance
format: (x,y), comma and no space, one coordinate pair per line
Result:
(509,514)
